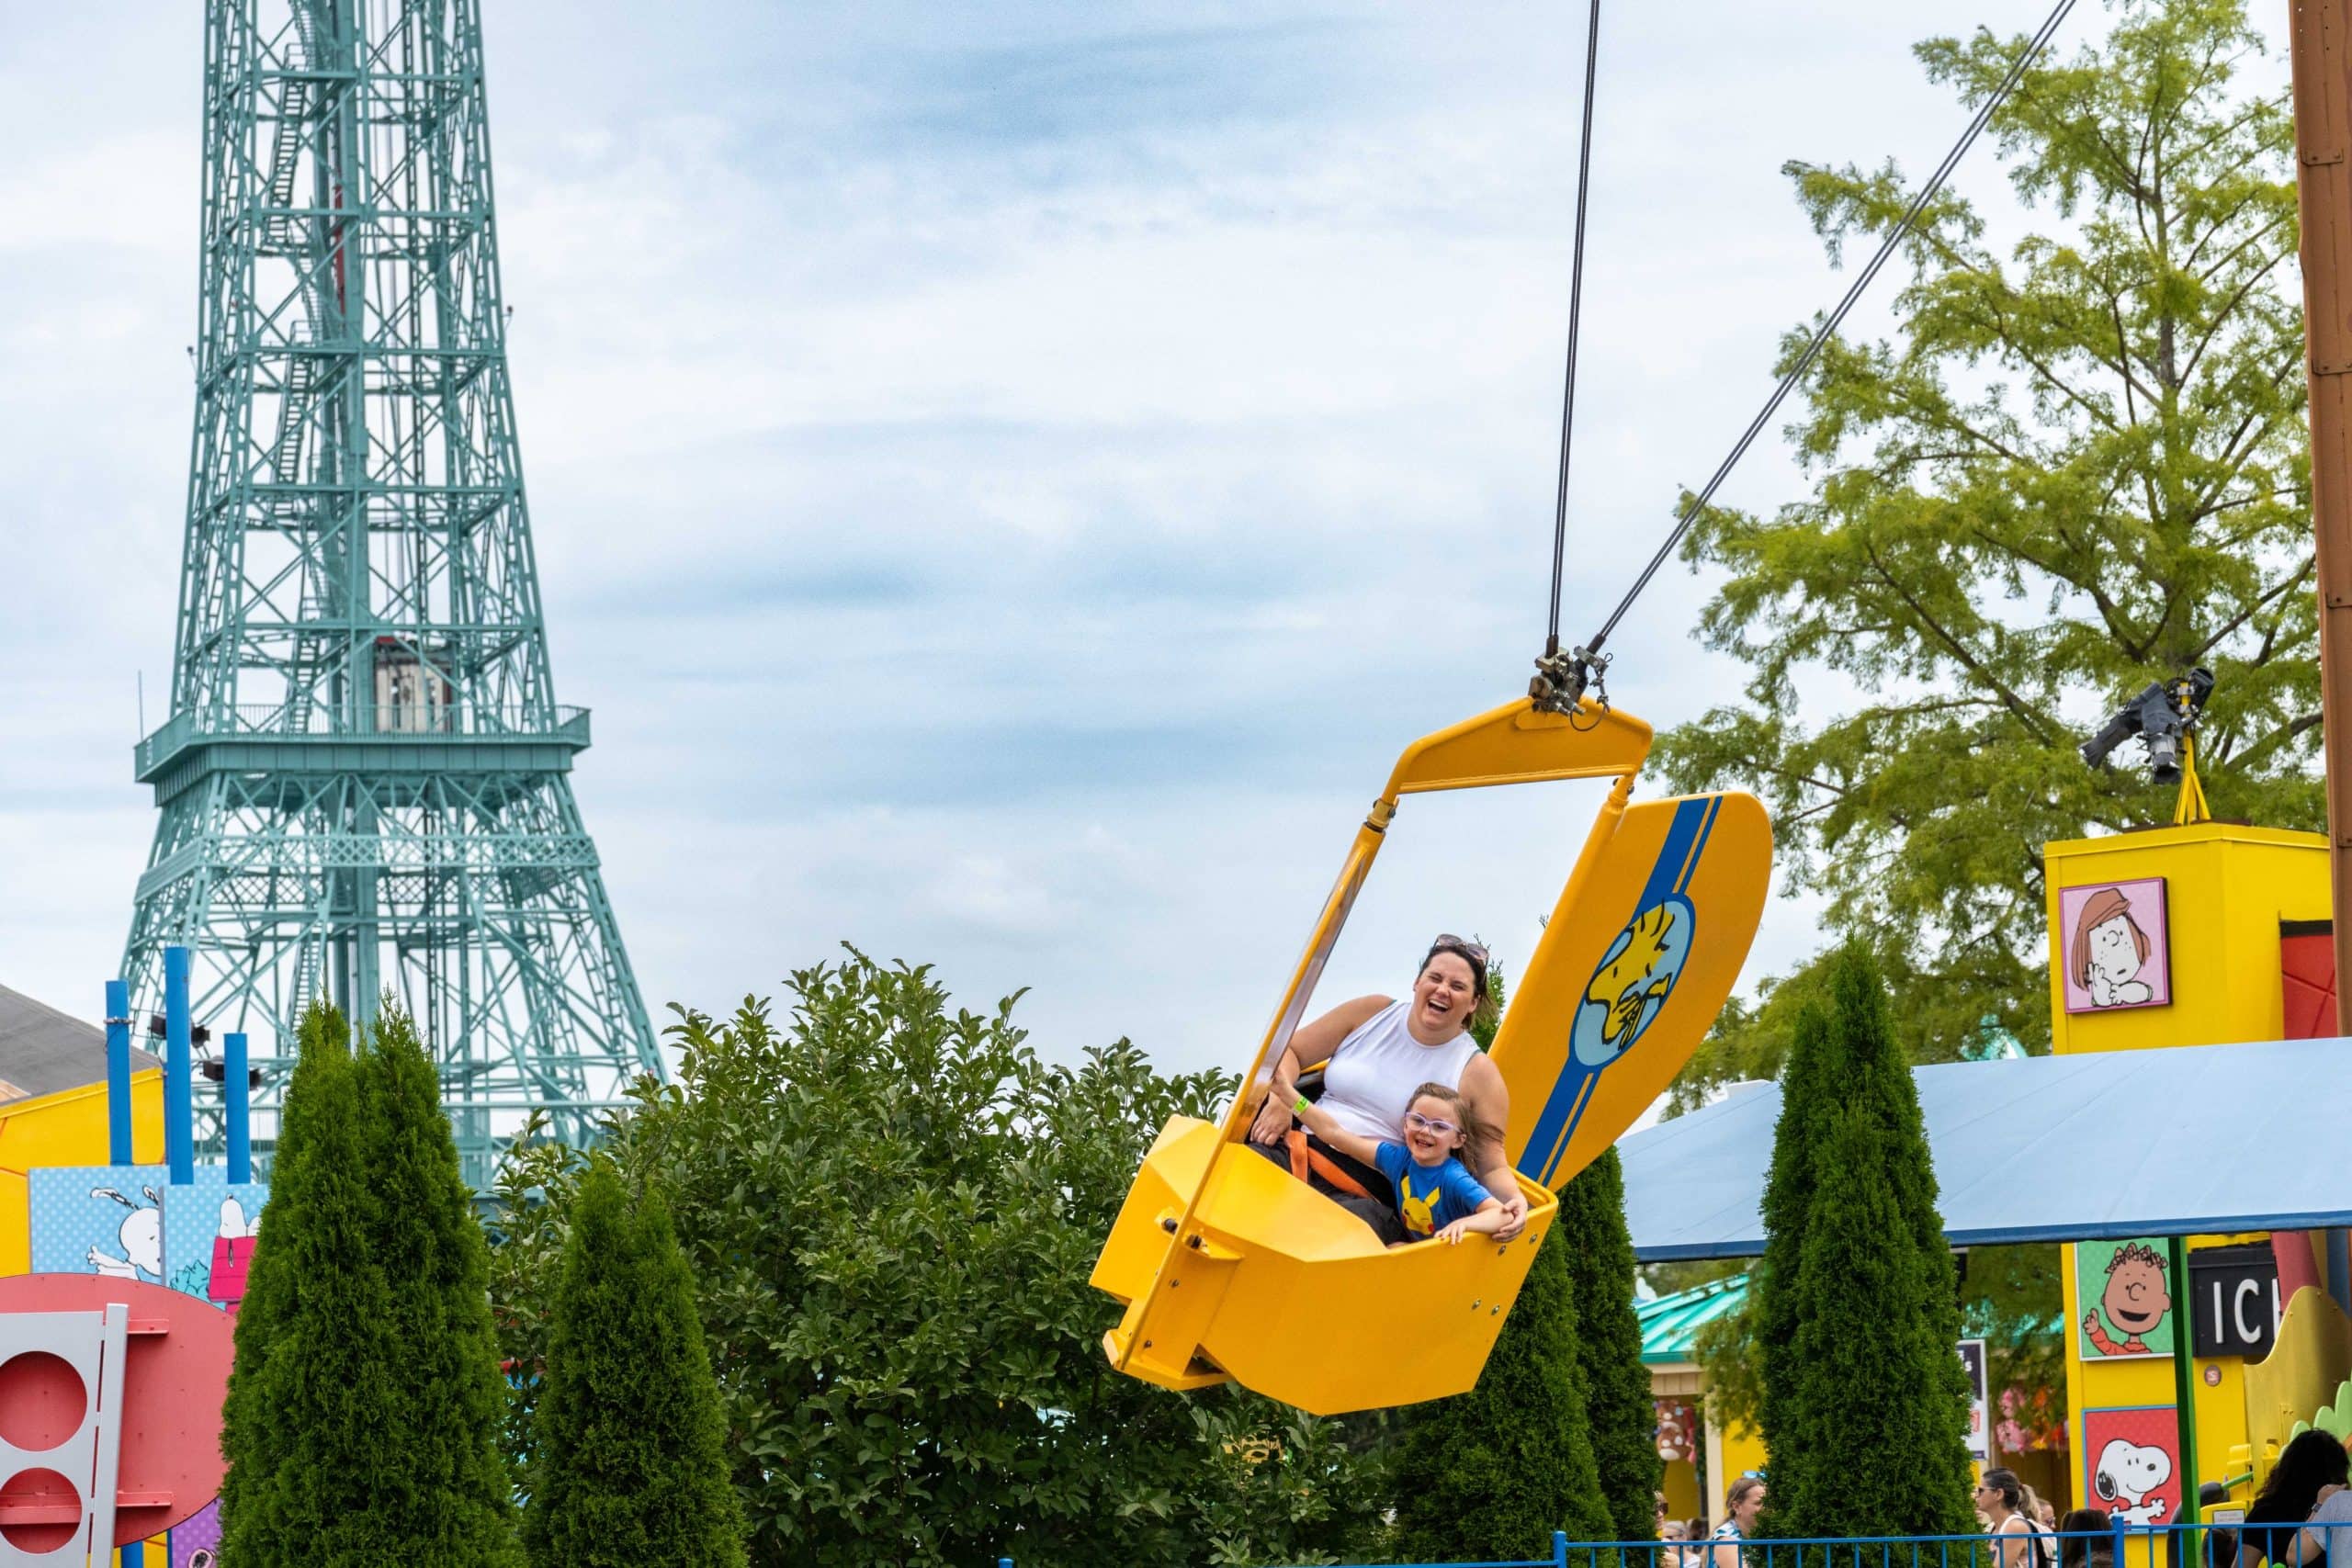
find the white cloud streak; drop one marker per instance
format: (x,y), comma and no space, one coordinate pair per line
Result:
(1008,481)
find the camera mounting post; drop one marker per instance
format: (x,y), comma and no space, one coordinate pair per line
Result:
(2164,716)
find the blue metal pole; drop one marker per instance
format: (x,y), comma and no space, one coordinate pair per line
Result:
(179,1071)
(236,1091)
(135,1555)
(118,1073)
(1560,1549)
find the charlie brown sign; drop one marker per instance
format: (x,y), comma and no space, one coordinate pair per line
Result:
(2124,1292)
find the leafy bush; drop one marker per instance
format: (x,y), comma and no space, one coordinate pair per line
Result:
(890,1208)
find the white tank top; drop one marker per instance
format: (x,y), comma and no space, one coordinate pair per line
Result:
(1372,1074)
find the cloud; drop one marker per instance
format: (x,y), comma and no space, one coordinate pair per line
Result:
(1008,481)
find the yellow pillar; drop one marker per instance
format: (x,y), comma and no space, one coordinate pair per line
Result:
(2161,938)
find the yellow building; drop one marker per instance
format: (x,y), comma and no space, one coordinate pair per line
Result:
(2166,938)
(2170,937)
(53,1112)
(1700,1450)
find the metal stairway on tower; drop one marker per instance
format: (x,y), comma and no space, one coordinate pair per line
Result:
(364,783)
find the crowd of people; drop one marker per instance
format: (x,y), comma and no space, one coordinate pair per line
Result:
(2301,1515)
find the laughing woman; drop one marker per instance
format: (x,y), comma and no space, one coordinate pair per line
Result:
(1379,1051)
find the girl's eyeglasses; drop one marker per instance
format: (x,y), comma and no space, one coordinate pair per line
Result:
(1437,1124)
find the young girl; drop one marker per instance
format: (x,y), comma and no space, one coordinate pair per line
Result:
(1437,1198)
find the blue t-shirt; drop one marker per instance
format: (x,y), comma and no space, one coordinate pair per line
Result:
(1429,1197)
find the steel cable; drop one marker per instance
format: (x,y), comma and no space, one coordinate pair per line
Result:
(1805,361)
(1576,314)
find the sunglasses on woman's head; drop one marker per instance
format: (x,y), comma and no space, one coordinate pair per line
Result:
(1462,945)
(1437,1124)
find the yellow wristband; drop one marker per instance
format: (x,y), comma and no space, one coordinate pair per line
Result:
(1300,1109)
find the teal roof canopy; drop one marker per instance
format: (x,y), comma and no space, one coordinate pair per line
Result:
(1670,1325)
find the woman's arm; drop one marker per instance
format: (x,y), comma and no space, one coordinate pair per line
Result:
(2332,1513)
(2014,1549)
(1309,1043)
(1489,1099)
(1326,1126)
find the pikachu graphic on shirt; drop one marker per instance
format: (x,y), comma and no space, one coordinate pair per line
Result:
(1419,1216)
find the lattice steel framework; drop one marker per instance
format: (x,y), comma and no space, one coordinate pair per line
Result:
(364,777)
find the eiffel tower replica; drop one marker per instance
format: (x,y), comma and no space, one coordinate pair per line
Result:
(364,779)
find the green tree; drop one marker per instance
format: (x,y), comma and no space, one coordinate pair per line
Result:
(1491,1473)
(1270,1483)
(2076,465)
(632,1466)
(1869,1369)
(1816,1077)
(890,1207)
(448,1490)
(310,1395)
(2012,1297)
(1620,1411)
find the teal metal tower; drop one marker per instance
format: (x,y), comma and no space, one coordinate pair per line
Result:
(364,779)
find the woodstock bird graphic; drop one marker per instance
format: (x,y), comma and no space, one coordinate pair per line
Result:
(1628,986)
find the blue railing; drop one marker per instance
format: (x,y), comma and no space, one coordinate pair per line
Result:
(2121,1545)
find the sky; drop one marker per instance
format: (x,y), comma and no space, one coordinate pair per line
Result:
(1007,481)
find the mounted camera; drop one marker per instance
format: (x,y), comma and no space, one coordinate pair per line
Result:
(2160,716)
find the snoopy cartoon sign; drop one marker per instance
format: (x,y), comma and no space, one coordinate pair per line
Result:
(99,1219)
(2132,1465)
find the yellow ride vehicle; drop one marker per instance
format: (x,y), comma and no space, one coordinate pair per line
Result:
(1228,1267)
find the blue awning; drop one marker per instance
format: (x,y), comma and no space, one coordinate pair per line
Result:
(2186,1140)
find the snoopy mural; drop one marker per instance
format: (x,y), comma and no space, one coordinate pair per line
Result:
(140,1239)
(209,1231)
(2127,1478)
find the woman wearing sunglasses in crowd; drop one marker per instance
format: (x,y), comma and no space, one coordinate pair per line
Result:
(1379,1051)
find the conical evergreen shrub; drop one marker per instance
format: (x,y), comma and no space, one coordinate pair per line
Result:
(632,1466)
(1870,1392)
(1810,1083)
(448,1495)
(1869,1361)
(1619,1407)
(310,1399)
(1491,1473)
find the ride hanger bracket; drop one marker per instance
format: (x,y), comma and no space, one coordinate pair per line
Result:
(1562,679)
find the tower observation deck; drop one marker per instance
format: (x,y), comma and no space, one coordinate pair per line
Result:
(364,779)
